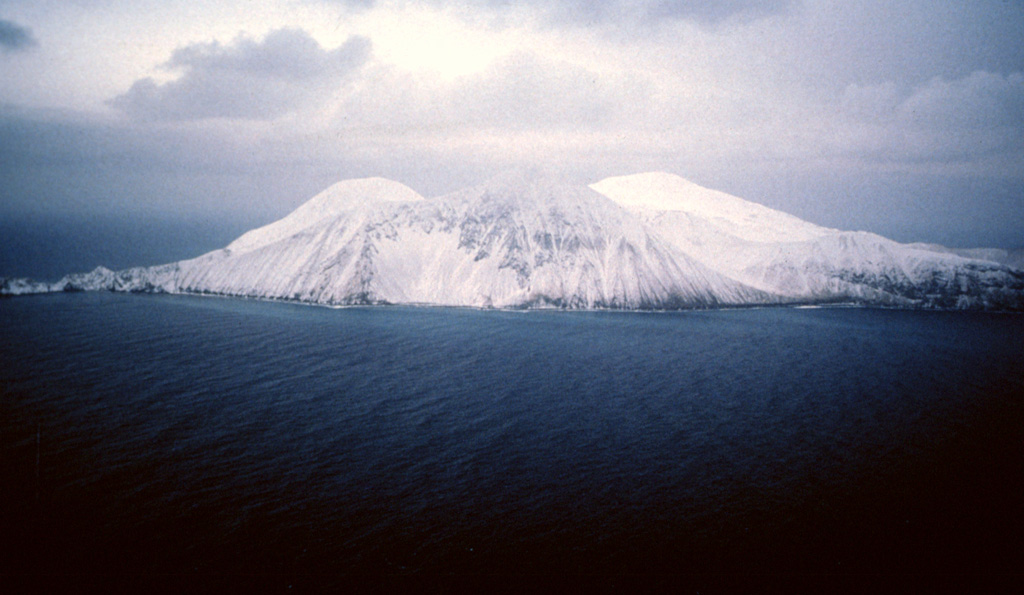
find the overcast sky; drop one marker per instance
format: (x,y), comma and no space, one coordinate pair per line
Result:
(902,118)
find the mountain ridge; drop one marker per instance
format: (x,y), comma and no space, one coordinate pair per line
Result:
(528,239)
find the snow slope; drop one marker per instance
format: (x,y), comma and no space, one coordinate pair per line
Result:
(348,195)
(525,239)
(668,194)
(513,242)
(796,260)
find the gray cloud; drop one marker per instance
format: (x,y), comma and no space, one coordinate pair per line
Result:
(350,3)
(620,12)
(14,37)
(716,12)
(524,92)
(902,118)
(980,100)
(55,164)
(625,12)
(526,105)
(247,79)
(979,117)
(910,42)
(521,93)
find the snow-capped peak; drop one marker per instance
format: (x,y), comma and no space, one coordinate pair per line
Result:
(529,238)
(663,191)
(659,191)
(344,196)
(349,194)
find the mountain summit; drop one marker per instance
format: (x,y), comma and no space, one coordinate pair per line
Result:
(527,239)
(799,261)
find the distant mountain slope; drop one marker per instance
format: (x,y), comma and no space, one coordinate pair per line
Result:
(671,195)
(649,241)
(1011,258)
(346,196)
(794,259)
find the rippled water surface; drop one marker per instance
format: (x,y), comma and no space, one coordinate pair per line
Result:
(160,434)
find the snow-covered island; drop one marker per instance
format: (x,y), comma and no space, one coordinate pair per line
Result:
(525,240)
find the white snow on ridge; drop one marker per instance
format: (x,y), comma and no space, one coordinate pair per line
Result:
(793,259)
(344,196)
(515,241)
(663,192)
(527,240)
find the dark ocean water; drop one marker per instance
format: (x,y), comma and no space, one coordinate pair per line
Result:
(204,437)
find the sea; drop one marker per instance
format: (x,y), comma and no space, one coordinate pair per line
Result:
(184,438)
